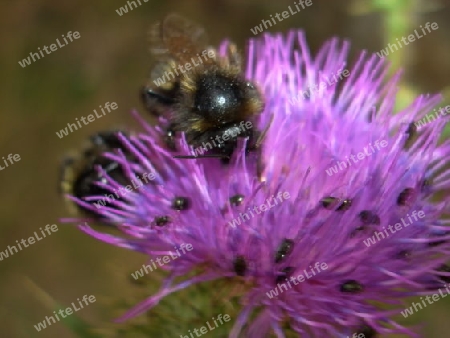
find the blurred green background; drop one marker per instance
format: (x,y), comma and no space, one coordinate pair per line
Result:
(109,63)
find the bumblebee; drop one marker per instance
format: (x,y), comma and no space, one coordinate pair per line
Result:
(199,92)
(79,175)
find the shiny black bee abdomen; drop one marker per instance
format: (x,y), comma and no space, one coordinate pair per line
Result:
(217,97)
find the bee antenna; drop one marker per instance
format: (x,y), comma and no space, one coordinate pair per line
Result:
(264,133)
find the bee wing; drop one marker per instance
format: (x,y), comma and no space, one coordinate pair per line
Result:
(178,38)
(159,68)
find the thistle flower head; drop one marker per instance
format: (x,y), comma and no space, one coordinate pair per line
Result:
(305,205)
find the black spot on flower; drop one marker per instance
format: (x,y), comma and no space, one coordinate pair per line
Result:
(358,231)
(162,220)
(368,217)
(331,202)
(367,331)
(284,274)
(285,248)
(345,205)
(236,200)
(240,265)
(446,269)
(403,254)
(180,203)
(404,198)
(351,286)
(411,133)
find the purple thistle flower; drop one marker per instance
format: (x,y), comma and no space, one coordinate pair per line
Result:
(314,216)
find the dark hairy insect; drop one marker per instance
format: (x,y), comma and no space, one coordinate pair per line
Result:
(240,265)
(285,248)
(199,92)
(79,174)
